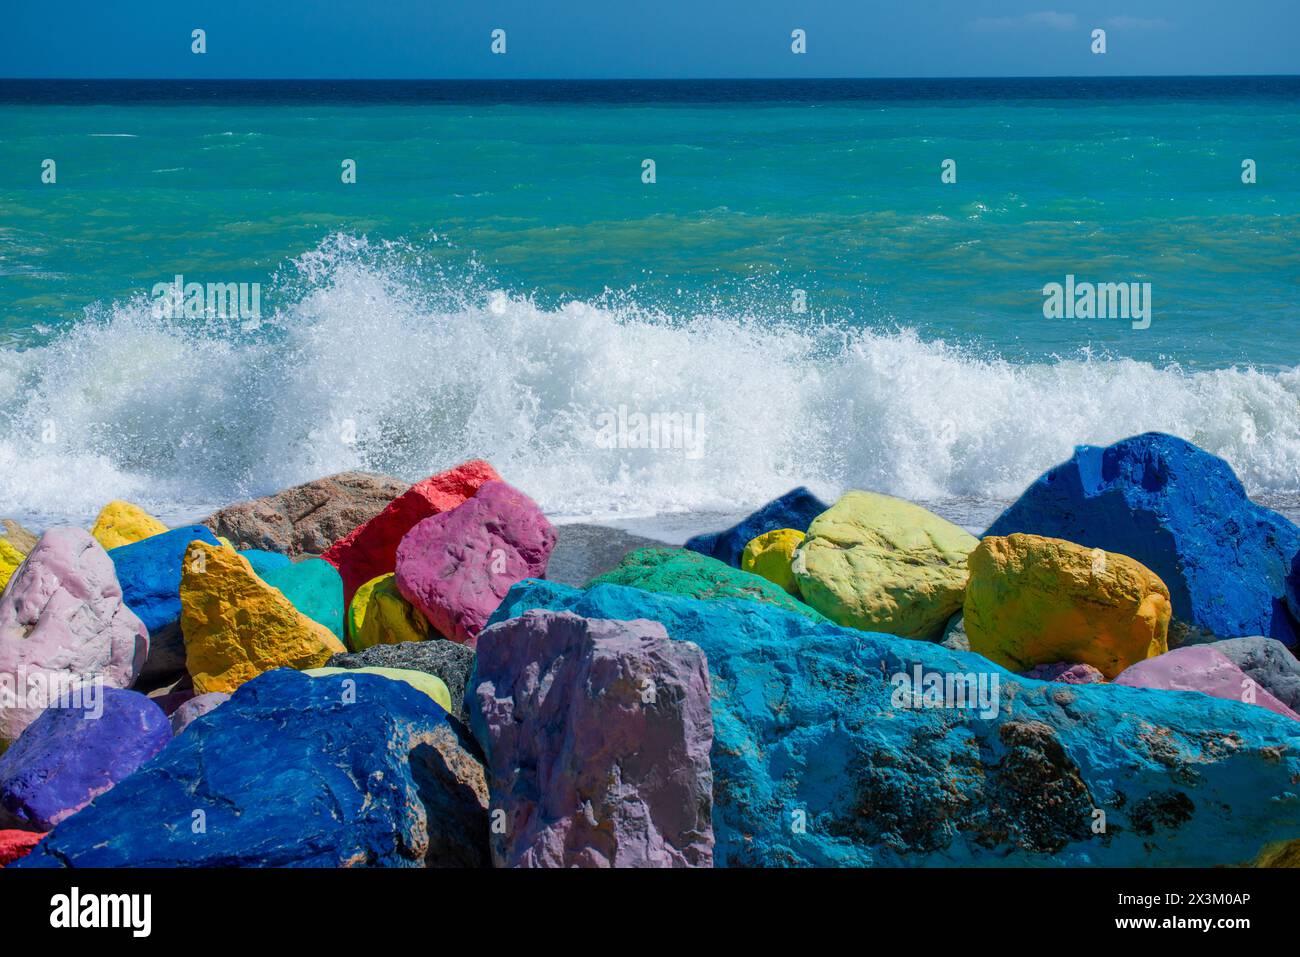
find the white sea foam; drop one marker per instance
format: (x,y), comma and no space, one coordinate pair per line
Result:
(182,418)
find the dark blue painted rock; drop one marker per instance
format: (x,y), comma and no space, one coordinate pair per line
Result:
(149,572)
(69,755)
(795,509)
(835,746)
(1181,512)
(293,771)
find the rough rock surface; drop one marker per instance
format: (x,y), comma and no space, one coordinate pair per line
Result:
(308,518)
(62,617)
(236,626)
(1201,668)
(315,589)
(289,773)
(370,549)
(194,708)
(1183,514)
(812,728)
(597,736)
(455,567)
(10,559)
(1065,673)
(16,535)
(769,556)
(421,681)
(1270,663)
(379,615)
(882,564)
(448,660)
(15,844)
(795,509)
(70,755)
(1034,600)
(121,523)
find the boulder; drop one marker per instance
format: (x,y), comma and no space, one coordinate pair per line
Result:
(1268,662)
(1065,673)
(379,615)
(306,519)
(676,571)
(882,564)
(954,634)
(62,622)
(1034,600)
(597,736)
(16,535)
(1204,669)
(1183,514)
(840,747)
(293,772)
(795,509)
(455,567)
(121,523)
(447,660)
(10,559)
(70,755)
(370,549)
(419,680)
(16,844)
(194,708)
(769,556)
(263,561)
(314,587)
(236,626)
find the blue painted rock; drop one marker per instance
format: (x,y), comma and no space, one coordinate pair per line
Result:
(795,509)
(605,762)
(1269,663)
(1183,514)
(149,572)
(293,772)
(264,561)
(834,746)
(70,755)
(194,708)
(313,586)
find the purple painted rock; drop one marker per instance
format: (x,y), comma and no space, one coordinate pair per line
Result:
(196,707)
(63,621)
(1066,673)
(597,735)
(1200,668)
(455,567)
(71,754)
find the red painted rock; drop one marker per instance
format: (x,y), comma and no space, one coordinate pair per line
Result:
(16,844)
(63,622)
(456,567)
(1200,668)
(370,550)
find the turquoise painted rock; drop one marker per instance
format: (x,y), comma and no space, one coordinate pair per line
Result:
(314,587)
(840,747)
(264,561)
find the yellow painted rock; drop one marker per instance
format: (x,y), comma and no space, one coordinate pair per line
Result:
(769,556)
(10,559)
(379,615)
(17,536)
(429,684)
(236,626)
(1034,600)
(883,564)
(121,523)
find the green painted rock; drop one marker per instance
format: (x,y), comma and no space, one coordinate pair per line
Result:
(882,564)
(676,571)
(315,589)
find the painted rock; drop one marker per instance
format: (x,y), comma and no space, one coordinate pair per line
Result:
(456,567)
(70,755)
(262,561)
(194,708)
(882,564)
(16,844)
(291,772)
(306,519)
(419,680)
(1183,514)
(597,736)
(370,550)
(314,587)
(16,535)
(676,571)
(769,556)
(121,523)
(447,660)
(236,626)
(887,752)
(1268,662)
(1065,673)
(10,559)
(63,621)
(1201,668)
(795,509)
(1034,600)
(379,615)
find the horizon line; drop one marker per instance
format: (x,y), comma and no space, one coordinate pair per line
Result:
(636,79)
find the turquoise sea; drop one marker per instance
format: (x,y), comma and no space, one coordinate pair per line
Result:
(499,277)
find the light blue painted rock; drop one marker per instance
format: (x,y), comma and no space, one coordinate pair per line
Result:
(822,754)
(293,771)
(314,587)
(795,509)
(263,561)
(1181,512)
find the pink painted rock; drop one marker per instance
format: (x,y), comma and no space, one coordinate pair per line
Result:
(63,621)
(370,550)
(15,844)
(1200,668)
(597,736)
(196,707)
(456,567)
(1066,673)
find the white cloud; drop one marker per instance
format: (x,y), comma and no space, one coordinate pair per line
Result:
(1137,23)
(1049,19)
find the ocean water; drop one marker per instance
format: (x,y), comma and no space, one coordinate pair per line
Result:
(499,281)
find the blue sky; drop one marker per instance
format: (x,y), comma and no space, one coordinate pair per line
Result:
(649,38)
